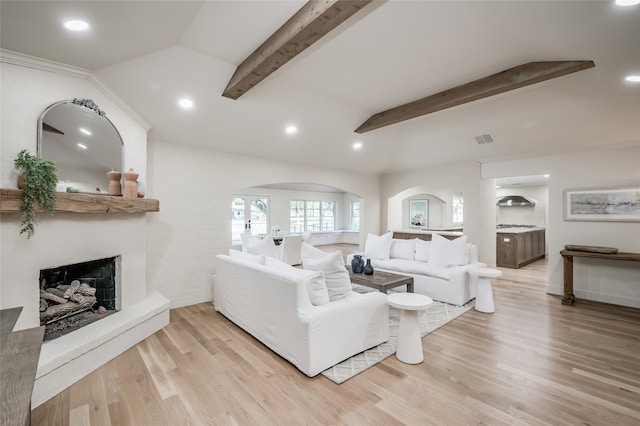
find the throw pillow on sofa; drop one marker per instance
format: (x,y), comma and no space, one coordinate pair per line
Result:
(422,250)
(446,252)
(313,280)
(247,257)
(402,249)
(331,264)
(378,247)
(265,246)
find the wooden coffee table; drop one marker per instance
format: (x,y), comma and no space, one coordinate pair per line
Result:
(381,281)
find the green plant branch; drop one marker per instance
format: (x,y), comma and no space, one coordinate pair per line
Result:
(40,182)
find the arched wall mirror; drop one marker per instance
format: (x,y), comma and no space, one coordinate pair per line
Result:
(82,142)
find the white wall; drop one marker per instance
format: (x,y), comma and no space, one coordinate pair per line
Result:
(607,281)
(347,199)
(195,186)
(444,182)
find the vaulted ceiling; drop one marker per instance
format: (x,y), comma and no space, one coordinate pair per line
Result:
(152,53)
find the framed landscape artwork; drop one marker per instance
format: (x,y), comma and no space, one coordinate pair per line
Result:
(604,204)
(418,213)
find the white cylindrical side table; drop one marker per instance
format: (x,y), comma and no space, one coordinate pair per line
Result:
(484,296)
(409,344)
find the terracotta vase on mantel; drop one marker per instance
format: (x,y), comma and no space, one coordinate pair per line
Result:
(130,184)
(114,182)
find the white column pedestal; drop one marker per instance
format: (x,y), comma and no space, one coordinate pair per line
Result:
(409,346)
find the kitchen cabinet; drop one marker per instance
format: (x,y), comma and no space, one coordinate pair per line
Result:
(518,248)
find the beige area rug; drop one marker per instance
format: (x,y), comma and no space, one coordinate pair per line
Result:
(432,318)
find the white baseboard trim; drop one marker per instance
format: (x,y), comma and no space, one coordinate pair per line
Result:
(205,296)
(69,358)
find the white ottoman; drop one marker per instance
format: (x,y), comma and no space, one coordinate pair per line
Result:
(409,345)
(484,296)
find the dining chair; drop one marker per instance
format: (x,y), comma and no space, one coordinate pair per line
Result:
(291,248)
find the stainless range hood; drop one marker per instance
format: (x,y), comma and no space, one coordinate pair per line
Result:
(515,200)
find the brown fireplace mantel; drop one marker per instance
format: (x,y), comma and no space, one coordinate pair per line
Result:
(11,202)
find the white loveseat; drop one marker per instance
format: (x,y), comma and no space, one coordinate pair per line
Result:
(438,267)
(273,303)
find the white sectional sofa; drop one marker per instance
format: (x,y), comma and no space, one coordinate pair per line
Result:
(438,267)
(273,302)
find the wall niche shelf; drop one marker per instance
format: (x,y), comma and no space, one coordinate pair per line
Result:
(11,202)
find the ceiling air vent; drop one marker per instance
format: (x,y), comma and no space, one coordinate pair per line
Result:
(484,139)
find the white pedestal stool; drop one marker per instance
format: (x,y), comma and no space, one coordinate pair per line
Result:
(484,296)
(409,345)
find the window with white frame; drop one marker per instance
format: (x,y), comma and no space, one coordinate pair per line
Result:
(458,209)
(250,214)
(296,222)
(328,215)
(311,216)
(355,215)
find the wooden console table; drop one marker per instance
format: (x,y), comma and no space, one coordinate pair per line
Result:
(568,256)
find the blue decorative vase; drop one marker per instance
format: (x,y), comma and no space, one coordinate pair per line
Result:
(357,264)
(368,268)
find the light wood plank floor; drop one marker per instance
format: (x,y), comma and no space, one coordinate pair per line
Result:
(533,362)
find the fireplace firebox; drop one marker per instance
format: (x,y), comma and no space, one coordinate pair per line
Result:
(73,296)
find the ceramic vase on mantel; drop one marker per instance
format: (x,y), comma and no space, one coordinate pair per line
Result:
(114,182)
(130,184)
(368,268)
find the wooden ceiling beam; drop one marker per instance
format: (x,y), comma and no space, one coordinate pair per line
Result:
(313,21)
(511,79)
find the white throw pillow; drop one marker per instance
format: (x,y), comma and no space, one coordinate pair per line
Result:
(446,252)
(313,280)
(423,249)
(264,246)
(378,247)
(247,257)
(402,249)
(331,264)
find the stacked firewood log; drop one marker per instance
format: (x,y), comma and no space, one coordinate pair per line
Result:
(60,301)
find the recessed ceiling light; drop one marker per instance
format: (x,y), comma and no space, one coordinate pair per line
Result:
(627,2)
(85,131)
(357,145)
(633,78)
(291,130)
(185,103)
(76,25)
(83,146)
(546,176)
